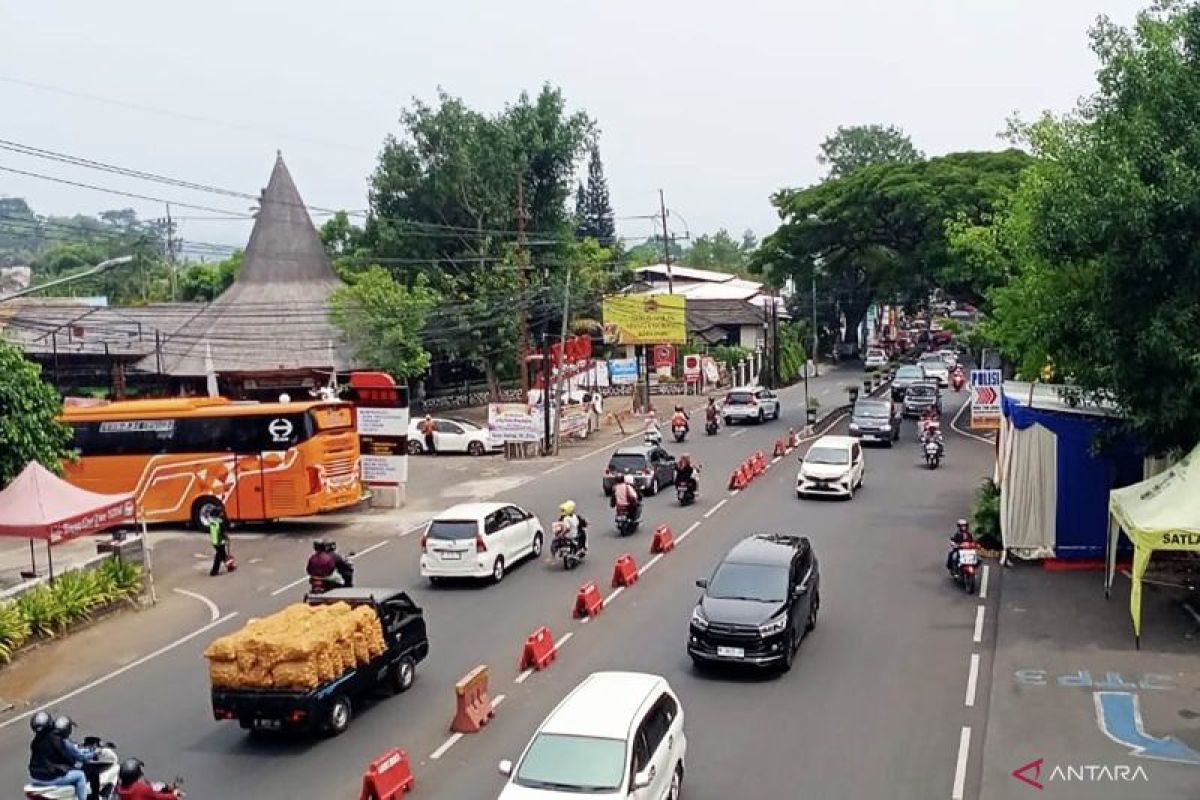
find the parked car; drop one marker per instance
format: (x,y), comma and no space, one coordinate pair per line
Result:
(950,356)
(650,466)
(833,466)
(876,420)
(935,367)
(616,735)
(479,540)
(758,604)
(921,396)
(750,404)
(906,376)
(876,357)
(453,436)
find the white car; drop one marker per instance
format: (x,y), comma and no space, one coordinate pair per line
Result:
(875,358)
(950,357)
(935,367)
(479,540)
(453,436)
(617,734)
(750,404)
(833,466)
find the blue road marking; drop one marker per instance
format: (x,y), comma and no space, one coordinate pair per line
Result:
(1119,716)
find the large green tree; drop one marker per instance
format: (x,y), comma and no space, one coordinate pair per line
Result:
(850,148)
(720,251)
(593,209)
(1107,282)
(29,410)
(880,233)
(384,321)
(204,281)
(444,205)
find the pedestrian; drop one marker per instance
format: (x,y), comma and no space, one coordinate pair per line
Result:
(427,428)
(218,536)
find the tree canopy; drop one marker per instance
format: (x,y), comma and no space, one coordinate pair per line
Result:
(593,209)
(29,410)
(850,148)
(384,321)
(1100,238)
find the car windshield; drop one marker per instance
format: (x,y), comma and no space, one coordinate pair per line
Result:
(766,583)
(875,354)
(738,398)
(572,763)
(453,529)
(626,462)
(827,455)
(932,359)
(921,390)
(910,372)
(872,410)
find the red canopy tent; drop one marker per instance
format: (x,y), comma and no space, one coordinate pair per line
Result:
(40,505)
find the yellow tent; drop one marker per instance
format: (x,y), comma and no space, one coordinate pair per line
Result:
(1160,513)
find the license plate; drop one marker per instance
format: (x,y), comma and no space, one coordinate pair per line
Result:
(731,652)
(968,558)
(268,724)
(451,555)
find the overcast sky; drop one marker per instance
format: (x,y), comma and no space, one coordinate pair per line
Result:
(719,103)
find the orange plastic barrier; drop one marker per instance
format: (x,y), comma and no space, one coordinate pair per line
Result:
(738,479)
(781,447)
(387,777)
(588,602)
(539,650)
(472,703)
(760,463)
(663,541)
(625,571)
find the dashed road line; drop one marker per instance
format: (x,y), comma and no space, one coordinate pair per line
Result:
(960,767)
(524,676)
(445,746)
(979,612)
(983,583)
(688,532)
(614,595)
(354,557)
(972,680)
(646,567)
(715,508)
(776,459)
(735,434)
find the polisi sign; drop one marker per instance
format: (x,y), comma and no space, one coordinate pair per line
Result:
(987,389)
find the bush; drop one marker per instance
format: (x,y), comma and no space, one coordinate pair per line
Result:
(986,517)
(49,609)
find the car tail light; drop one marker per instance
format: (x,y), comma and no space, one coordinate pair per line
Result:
(297,716)
(221,713)
(314,480)
(425,543)
(480,544)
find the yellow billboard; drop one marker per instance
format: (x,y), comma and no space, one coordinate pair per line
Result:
(645,319)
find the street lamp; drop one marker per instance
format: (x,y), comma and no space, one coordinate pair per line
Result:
(87,273)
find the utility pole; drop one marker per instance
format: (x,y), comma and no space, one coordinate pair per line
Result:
(523,274)
(662,204)
(816,372)
(774,339)
(171,250)
(562,345)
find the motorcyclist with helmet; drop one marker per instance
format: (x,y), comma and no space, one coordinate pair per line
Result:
(962,535)
(571,525)
(325,561)
(626,499)
(711,414)
(685,473)
(54,760)
(132,784)
(680,419)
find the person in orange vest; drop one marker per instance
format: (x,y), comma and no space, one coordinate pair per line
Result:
(427,428)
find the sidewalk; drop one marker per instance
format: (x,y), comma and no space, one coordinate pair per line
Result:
(1069,687)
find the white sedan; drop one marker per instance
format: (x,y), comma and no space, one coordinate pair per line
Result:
(453,436)
(479,540)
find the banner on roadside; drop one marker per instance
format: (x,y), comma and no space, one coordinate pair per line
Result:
(623,371)
(515,422)
(645,319)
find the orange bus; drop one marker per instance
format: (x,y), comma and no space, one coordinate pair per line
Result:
(188,458)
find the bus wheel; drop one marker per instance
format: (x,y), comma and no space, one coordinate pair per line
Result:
(204,510)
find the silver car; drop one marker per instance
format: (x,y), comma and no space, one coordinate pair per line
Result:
(935,367)
(750,404)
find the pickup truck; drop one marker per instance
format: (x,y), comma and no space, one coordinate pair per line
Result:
(329,707)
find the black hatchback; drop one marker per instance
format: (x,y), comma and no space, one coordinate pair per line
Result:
(759,603)
(650,466)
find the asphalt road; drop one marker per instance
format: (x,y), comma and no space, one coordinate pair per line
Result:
(873,706)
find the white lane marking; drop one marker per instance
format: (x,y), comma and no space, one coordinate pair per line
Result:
(776,459)
(688,532)
(979,611)
(972,680)
(554,469)
(413,529)
(983,583)
(445,746)
(566,638)
(715,508)
(354,557)
(646,567)
(497,700)
(524,676)
(954,424)
(212,607)
(960,768)
(734,493)
(615,594)
(103,679)
(738,433)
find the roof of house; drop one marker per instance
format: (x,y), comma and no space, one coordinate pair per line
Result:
(705,314)
(275,316)
(76,326)
(660,272)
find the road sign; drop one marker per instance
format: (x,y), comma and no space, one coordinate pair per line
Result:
(987,389)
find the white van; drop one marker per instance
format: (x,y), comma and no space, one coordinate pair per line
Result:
(617,734)
(834,465)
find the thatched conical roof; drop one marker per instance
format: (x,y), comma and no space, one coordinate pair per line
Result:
(275,316)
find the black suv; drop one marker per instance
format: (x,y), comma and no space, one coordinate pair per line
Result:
(760,601)
(650,466)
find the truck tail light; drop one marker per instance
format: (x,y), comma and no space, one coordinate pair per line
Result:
(480,544)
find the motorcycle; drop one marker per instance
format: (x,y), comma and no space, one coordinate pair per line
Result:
(686,493)
(567,549)
(958,380)
(964,565)
(627,523)
(680,432)
(105,764)
(933,453)
(711,426)
(653,437)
